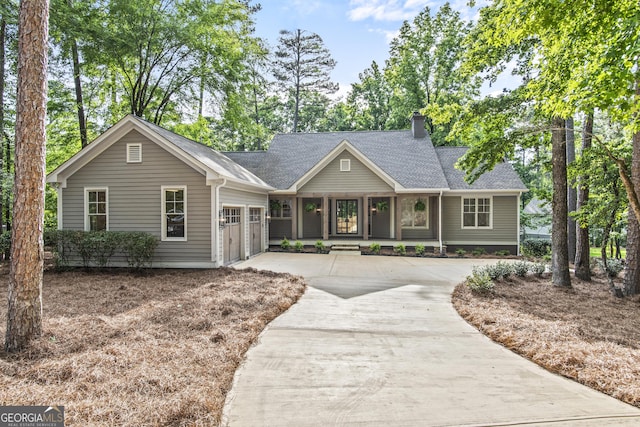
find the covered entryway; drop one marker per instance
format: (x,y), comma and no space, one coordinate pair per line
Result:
(255,230)
(347,217)
(231,234)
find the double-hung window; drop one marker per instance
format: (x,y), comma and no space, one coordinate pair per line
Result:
(174,213)
(280,208)
(476,212)
(96,209)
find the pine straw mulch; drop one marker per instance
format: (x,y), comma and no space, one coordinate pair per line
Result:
(130,350)
(583,333)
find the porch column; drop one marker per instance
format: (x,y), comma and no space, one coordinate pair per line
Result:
(398,219)
(365,220)
(325,218)
(294,218)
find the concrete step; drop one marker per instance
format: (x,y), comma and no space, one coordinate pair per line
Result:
(345,249)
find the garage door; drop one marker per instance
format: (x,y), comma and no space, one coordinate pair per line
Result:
(231,234)
(255,230)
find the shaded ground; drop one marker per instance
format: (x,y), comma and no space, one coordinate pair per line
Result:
(584,333)
(131,350)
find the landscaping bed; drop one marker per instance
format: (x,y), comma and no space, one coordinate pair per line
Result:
(158,348)
(583,333)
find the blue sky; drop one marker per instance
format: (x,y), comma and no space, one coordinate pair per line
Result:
(356,32)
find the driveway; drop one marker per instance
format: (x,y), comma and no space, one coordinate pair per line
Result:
(375,341)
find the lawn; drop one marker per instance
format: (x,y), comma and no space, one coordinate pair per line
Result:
(132,350)
(583,333)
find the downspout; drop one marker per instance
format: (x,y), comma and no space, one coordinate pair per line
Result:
(217,238)
(58,188)
(440,221)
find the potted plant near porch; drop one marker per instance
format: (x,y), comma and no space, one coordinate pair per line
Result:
(420,206)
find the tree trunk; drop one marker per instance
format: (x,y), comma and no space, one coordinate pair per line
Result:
(3,35)
(559,248)
(572,196)
(75,59)
(582,259)
(631,284)
(24,314)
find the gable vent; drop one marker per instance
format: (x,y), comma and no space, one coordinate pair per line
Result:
(345,165)
(134,153)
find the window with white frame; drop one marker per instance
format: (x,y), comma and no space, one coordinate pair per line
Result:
(174,213)
(96,208)
(414,213)
(476,212)
(134,153)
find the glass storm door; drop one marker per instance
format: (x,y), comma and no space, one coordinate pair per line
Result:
(347,217)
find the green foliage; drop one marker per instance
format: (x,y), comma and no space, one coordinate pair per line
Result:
(538,268)
(460,252)
(97,248)
(298,246)
(536,248)
(501,270)
(420,249)
(613,266)
(5,242)
(400,249)
(285,244)
(504,252)
(320,247)
(478,251)
(479,281)
(521,268)
(375,248)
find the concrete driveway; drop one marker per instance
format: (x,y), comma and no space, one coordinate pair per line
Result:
(375,341)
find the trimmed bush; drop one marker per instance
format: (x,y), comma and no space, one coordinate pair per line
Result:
(298,246)
(400,249)
(285,244)
(478,251)
(320,247)
(536,248)
(479,281)
(375,248)
(138,248)
(520,268)
(420,250)
(460,252)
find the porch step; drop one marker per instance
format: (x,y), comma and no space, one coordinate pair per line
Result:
(345,249)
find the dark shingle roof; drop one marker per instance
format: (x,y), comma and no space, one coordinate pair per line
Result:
(411,162)
(215,160)
(502,177)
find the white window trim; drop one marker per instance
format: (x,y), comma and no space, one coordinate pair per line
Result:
(87,223)
(345,165)
(129,158)
(413,210)
(476,227)
(163,216)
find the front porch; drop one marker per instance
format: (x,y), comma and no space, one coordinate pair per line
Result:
(431,246)
(363,218)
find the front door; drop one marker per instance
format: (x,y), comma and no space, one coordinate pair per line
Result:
(346,217)
(255,228)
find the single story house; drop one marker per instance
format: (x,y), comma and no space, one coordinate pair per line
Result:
(210,208)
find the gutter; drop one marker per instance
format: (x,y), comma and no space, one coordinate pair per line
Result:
(216,212)
(440,219)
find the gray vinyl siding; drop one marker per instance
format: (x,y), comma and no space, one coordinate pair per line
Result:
(359,179)
(505,221)
(134,191)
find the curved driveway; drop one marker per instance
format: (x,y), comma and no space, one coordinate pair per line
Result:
(375,341)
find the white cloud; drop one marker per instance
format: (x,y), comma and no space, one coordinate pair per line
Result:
(389,35)
(306,7)
(386,10)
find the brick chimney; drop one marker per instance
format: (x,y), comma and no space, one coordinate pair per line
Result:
(417,125)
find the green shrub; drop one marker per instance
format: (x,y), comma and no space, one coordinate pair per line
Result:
(478,251)
(298,246)
(479,281)
(538,268)
(320,247)
(504,252)
(138,248)
(613,267)
(285,244)
(520,268)
(536,248)
(400,249)
(460,252)
(375,248)
(420,249)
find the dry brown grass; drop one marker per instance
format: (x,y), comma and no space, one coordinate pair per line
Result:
(584,333)
(121,349)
